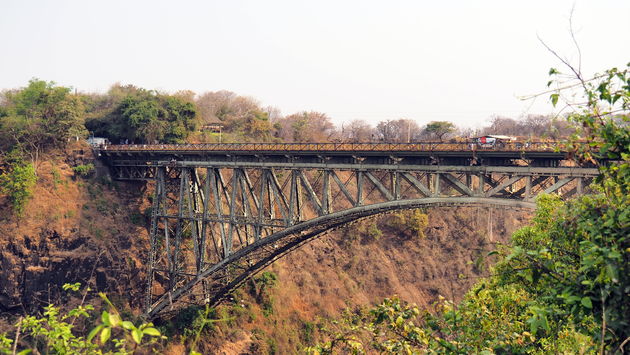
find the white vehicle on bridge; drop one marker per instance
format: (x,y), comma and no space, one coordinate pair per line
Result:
(492,141)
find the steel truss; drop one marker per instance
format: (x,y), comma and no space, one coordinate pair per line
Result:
(215,224)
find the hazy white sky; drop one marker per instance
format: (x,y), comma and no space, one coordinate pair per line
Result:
(455,60)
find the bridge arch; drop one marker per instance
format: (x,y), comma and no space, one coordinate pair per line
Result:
(291,238)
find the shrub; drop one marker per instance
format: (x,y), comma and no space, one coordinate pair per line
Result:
(18,182)
(84,170)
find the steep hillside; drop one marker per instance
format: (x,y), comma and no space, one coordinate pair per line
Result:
(94,231)
(73,230)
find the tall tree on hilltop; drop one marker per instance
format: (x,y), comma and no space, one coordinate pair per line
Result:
(38,117)
(440,129)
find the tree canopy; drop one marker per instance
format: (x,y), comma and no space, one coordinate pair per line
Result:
(440,129)
(146,116)
(39,116)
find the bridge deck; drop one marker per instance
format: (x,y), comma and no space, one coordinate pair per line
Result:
(419,146)
(240,151)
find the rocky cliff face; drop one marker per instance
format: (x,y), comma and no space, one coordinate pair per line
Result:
(73,230)
(94,232)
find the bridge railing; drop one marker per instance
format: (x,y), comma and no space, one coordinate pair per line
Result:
(338,147)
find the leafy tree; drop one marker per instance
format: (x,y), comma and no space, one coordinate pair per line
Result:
(578,259)
(145,116)
(38,117)
(440,129)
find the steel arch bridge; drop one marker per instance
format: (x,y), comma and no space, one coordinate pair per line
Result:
(222,212)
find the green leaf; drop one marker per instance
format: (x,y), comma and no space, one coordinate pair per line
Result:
(136,334)
(105,334)
(586,302)
(152,332)
(105,318)
(114,319)
(24,352)
(94,332)
(554,99)
(128,325)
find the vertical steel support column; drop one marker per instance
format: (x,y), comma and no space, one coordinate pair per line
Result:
(326,194)
(196,224)
(270,195)
(246,207)
(158,197)
(436,184)
(215,182)
(528,188)
(481,184)
(261,205)
(359,200)
(292,197)
(231,229)
(205,200)
(396,184)
(183,186)
(469,181)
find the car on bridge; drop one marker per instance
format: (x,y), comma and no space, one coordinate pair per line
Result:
(492,141)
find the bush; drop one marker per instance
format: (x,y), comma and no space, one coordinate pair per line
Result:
(84,170)
(56,332)
(408,223)
(17,183)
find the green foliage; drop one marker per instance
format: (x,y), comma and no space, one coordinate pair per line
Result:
(40,116)
(17,182)
(56,177)
(57,333)
(492,319)
(145,116)
(252,126)
(440,128)
(409,224)
(84,170)
(263,284)
(373,232)
(308,331)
